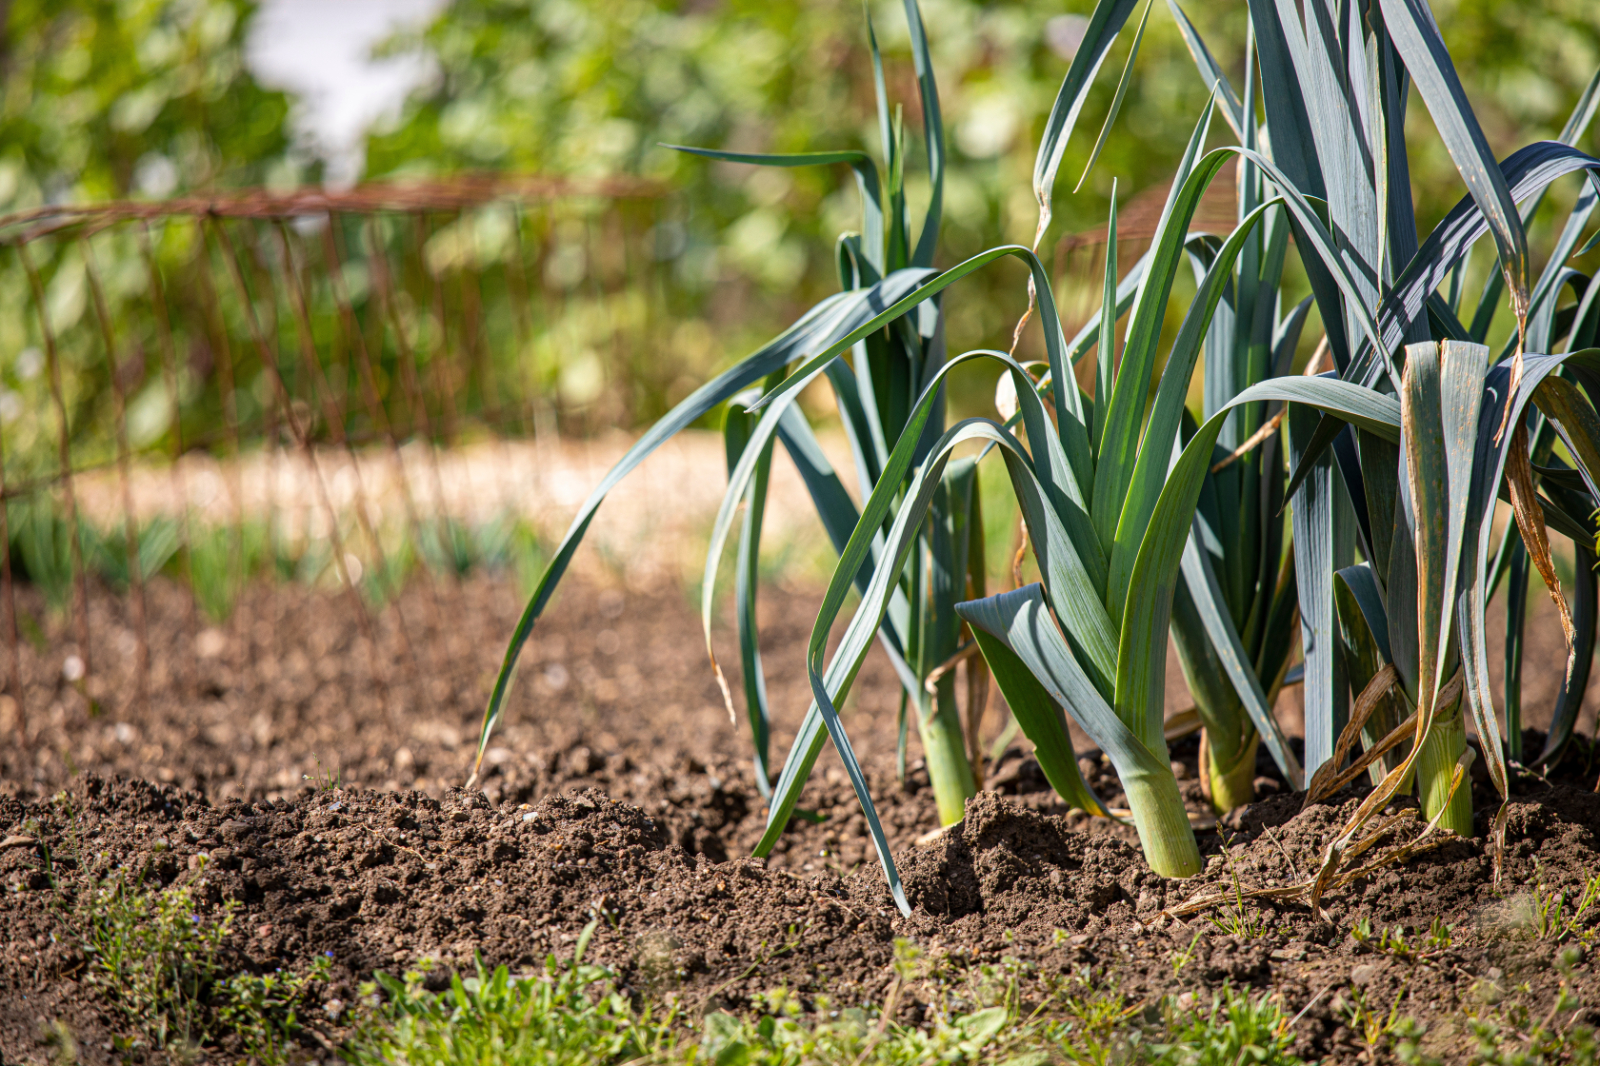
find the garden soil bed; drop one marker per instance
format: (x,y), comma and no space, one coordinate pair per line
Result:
(325,805)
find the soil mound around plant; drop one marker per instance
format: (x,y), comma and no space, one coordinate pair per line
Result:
(382,881)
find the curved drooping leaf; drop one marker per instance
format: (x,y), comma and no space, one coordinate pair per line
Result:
(1526,172)
(1141,657)
(1020,623)
(1036,706)
(1071,425)
(781,351)
(777,400)
(866,181)
(1056,549)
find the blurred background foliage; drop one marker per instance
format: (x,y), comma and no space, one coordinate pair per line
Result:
(106,99)
(640,302)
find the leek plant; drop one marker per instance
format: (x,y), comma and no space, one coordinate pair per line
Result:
(1435,440)
(895,348)
(1091,637)
(1238,578)
(1444,429)
(873,395)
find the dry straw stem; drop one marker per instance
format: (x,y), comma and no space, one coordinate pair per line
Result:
(1314,366)
(1328,779)
(1332,878)
(1530,523)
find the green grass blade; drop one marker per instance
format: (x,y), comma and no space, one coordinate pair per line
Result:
(1116,100)
(1104,25)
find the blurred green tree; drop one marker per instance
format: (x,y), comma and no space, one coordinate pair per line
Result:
(111,98)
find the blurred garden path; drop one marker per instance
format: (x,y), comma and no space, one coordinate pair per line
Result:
(654,526)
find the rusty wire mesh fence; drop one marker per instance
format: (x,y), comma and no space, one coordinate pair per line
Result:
(211,389)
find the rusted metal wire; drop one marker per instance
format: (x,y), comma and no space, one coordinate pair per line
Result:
(297,430)
(130,524)
(447,194)
(254,326)
(334,418)
(80,586)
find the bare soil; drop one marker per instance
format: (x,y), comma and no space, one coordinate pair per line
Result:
(316,767)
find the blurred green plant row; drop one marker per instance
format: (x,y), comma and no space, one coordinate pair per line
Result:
(218,562)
